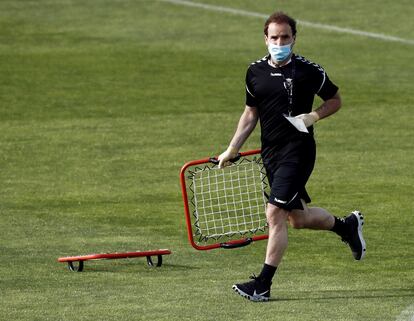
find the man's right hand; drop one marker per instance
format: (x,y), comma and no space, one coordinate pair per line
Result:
(225,157)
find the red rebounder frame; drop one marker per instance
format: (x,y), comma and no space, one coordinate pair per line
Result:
(225,241)
(110,256)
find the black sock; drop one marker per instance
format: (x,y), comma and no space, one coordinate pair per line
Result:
(339,226)
(268,271)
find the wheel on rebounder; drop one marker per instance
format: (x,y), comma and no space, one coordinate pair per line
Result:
(151,263)
(75,267)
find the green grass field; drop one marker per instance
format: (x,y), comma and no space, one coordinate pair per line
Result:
(102,102)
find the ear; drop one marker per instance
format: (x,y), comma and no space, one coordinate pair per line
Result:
(266,40)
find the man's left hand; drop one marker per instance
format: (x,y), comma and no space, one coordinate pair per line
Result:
(309,119)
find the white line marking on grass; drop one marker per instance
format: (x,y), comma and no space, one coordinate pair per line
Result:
(407,314)
(240,12)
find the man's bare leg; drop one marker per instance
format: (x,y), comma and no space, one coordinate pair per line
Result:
(312,218)
(259,288)
(278,234)
(349,228)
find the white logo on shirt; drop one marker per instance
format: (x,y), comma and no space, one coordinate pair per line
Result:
(273,74)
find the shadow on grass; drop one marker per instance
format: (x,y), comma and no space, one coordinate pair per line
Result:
(346,294)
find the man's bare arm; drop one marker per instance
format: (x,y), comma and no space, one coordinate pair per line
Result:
(329,106)
(246,125)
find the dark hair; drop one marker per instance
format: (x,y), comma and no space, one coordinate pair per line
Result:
(280,17)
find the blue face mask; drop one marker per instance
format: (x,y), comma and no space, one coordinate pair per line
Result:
(279,53)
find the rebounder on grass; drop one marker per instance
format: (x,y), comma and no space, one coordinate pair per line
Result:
(78,266)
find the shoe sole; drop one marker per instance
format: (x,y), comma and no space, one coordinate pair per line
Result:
(257,298)
(360,219)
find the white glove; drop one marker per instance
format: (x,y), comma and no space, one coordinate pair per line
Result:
(225,157)
(309,119)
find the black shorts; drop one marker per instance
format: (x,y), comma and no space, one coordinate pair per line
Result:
(288,170)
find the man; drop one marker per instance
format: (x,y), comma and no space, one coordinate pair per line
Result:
(280,89)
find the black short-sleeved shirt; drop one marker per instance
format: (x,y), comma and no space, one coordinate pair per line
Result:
(265,90)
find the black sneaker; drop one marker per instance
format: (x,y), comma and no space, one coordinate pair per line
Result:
(354,237)
(254,290)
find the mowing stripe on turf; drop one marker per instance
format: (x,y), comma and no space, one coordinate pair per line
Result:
(301,22)
(407,314)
